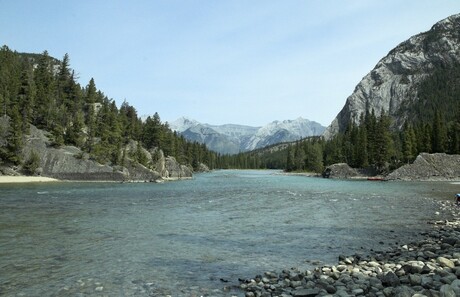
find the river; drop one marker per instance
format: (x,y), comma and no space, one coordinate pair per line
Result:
(195,237)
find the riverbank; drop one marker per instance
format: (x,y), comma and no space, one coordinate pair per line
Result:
(428,267)
(8,179)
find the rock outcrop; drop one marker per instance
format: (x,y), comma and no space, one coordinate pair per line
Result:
(429,167)
(396,77)
(202,168)
(70,163)
(174,170)
(340,170)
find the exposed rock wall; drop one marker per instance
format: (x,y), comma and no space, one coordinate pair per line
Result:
(396,77)
(429,167)
(70,163)
(175,170)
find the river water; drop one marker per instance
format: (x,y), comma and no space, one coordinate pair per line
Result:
(195,237)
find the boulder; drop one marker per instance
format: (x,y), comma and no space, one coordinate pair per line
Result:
(174,170)
(340,170)
(202,168)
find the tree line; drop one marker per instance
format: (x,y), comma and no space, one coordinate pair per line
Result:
(36,89)
(383,142)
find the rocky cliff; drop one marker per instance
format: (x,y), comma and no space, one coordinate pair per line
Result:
(395,78)
(70,163)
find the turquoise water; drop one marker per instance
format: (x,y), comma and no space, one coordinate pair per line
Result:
(182,238)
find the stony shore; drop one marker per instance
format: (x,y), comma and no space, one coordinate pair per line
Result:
(429,267)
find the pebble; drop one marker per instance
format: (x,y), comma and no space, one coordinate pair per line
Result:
(429,267)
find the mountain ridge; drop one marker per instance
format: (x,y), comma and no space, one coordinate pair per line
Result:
(235,138)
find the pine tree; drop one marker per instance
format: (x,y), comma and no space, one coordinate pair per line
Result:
(290,164)
(361,154)
(91,92)
(44,82)
(439,134)
(15,137)
(409,145)
(384,143)
(26,97)
(63,81)
(314,157)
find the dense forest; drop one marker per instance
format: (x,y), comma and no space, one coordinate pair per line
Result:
(36,89)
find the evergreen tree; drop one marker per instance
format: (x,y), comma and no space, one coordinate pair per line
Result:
(439,134)
(290,165)
(15,137)
(91,92)
(361,154)
(383,142)
(409,144)
(44,82)
(26,97)
(314,157)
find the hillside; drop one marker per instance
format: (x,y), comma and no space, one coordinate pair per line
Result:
(396,84)
(50,125)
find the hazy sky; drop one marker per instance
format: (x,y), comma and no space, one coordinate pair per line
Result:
(221,61)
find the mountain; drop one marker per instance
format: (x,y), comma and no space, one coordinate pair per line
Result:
(396,84)
(232,139)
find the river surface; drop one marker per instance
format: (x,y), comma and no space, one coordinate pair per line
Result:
(195,237)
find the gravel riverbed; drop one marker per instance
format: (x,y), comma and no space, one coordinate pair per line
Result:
(428,267)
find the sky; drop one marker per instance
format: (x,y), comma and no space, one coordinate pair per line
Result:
(246,62)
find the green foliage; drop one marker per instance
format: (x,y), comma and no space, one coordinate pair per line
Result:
(48,96)
(32,163)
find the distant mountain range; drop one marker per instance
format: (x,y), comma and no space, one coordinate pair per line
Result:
(232,138)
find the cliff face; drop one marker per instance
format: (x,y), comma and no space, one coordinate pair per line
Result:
(397,76)
(70,163)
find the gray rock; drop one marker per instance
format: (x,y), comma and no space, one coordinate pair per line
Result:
(444,262)
(341,170)
(447,291)
(331,289)
(306,292)
(390,279)
(176,170)
(402,291)
(415,279)
(70,163)
(456,286)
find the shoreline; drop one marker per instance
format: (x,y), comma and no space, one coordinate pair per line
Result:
(22,179)
(17,179)
(429,266)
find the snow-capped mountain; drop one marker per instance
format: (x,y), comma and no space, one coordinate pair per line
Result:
(288,130)
(232,139)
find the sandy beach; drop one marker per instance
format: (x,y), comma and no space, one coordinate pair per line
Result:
(6,179)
